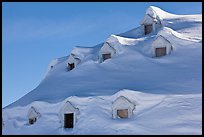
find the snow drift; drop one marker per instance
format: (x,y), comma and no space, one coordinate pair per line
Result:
(168,89)
(154,114)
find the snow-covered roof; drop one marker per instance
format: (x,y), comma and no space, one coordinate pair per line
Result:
(155,14)
(150,16)
(122,101)
(72,58)
(33,113)
(161,42)
(114,44)
(173,36)
(174,80)
(107,48)
(68,108)
(158,13)
(148,20)
(162,39)
(118,40)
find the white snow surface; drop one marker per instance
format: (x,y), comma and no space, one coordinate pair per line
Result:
(168,89)
(154,114)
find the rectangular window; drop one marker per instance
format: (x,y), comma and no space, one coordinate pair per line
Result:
(160,52)
(106,56)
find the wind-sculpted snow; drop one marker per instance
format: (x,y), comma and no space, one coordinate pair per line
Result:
(154,114)
(132,67)
(170,86)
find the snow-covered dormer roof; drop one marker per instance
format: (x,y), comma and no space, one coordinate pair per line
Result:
(154,14)
(33,113)
(151,16)
(161,41)
(123,102)
(107,48)
(69,108)
(72,58)
(147,20)
(113,44)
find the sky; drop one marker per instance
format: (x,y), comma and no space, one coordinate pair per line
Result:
(34,33)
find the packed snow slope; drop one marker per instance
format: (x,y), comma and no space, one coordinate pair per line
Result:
(132,67)
(154,114)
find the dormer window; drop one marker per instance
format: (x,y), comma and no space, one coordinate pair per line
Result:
(106,56)
(71,66)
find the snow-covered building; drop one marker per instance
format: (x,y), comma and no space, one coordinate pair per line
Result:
(107,51)
(68,115)
(33,115)
(161,46)
(151,20)
(122,108)
(72,61)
